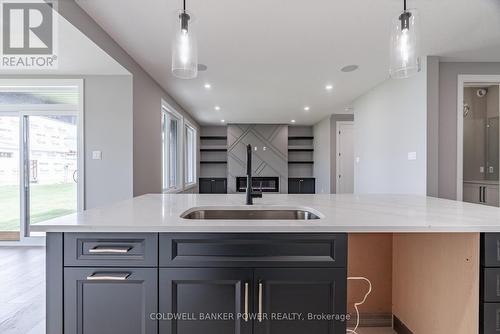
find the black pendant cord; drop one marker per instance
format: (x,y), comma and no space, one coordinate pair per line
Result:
(403,0)
(184,3)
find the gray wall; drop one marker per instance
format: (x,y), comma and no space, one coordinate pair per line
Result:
(432,126)
(390,122)
(147,95)
(448,76)
(322,151)
(108,128)
(333,147)
(270,162)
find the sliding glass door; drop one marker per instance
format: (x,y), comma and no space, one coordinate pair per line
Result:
(10,200)
(51,166)
(41,168)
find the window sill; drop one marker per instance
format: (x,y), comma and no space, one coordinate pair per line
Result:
(179,190)
(172,191)
(190,186)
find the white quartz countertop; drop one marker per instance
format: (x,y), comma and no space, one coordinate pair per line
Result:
(339,213)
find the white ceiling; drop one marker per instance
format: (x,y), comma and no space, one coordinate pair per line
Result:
(77,55)
(268,59)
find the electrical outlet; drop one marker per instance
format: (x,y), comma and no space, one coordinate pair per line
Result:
(96,155)
(491,169)
(481,169)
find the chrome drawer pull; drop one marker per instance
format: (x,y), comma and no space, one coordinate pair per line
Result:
(245,315)
(110,250)
(259,315)
(108,276)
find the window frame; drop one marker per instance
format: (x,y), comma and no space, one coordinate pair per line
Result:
(168,112)
(189,126)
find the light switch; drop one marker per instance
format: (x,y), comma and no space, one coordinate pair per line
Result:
(412,155)
(481,169)
(357,160)
(96,155)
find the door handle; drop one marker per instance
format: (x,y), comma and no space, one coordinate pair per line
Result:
(480,194)
(484,194)
(108,277)
(245,310)
(112,250)
(259,315)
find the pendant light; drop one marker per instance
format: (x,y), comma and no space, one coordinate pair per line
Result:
(184,48)
(405,59)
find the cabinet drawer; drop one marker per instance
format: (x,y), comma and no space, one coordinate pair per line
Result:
(110,300)
(111,249)
(490,318)
(253,250)
(490,250)
(491,285)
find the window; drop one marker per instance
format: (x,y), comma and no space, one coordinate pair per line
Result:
(171,124)
(190,155)
(179,151)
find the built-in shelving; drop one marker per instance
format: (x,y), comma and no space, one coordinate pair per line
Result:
(213,149)
(300,138)
(213,159)
(214,162)
(300,149)
(301,162)
(213,137)
(300,159)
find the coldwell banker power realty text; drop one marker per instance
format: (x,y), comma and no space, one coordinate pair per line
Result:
(28,34)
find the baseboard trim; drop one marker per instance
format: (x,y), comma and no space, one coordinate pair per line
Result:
(399,327)
(372,320)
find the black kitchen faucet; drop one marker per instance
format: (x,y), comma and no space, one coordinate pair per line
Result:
(251,194)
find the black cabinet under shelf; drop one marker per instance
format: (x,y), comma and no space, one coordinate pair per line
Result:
(213,185)
(302,185)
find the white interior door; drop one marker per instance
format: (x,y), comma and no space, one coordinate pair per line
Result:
(345,157)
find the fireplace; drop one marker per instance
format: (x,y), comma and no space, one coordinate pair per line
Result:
(268,184)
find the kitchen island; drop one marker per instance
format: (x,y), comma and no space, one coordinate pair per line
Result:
(138,267)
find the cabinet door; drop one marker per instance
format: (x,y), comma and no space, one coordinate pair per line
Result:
(307,186)
(205,186)
(492,195)
(300,293)
(472,193)
(293,186)
(110,300)
(219,186)
(196,292)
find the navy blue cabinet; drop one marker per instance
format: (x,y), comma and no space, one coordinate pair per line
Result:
(169,283)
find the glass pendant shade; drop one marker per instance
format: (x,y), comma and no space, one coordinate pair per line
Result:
(184,49)
(405,56)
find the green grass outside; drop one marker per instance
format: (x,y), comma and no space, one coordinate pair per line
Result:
(47,201)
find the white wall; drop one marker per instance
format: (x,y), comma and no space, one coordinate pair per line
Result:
(108,128)
(390,121)
(322,163)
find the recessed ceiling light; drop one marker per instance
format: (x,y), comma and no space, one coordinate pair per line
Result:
(329,87)
(349,68)
(293,121)
(307,108)
(208,86)
(222,120)
(217,108)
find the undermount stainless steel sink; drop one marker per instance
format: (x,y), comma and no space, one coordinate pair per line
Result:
(249,214)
